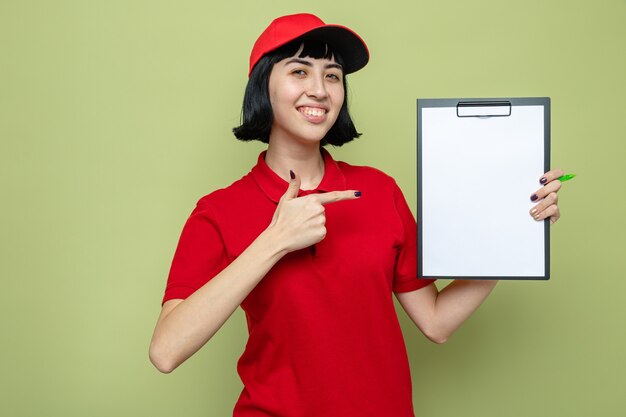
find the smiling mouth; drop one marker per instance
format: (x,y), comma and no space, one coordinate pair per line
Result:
(312,111)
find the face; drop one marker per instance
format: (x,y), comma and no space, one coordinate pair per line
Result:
(306,96)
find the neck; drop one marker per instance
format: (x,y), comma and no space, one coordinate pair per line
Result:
(306,161)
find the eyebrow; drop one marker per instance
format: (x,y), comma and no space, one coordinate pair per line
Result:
(309,64)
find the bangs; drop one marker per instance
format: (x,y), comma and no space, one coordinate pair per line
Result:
(311,48)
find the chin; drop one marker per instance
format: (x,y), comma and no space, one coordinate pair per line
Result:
(313,138)
(304,134)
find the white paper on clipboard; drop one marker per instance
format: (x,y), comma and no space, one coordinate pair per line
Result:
(476,174)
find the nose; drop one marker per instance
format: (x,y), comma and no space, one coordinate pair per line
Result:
(317,87)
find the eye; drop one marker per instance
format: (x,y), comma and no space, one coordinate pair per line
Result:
(334,77)
(299,72)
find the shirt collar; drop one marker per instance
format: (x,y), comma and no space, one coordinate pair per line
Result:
(274,186)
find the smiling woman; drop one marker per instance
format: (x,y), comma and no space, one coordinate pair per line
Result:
(312,249)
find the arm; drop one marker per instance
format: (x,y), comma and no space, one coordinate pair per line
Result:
(184,326)
(439,314)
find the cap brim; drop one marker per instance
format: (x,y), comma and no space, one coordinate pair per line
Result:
(347,43)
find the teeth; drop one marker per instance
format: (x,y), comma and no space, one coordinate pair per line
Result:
(310,111)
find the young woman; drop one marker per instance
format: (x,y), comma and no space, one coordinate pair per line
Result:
(311,248)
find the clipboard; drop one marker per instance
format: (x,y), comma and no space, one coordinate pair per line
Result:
(478,162)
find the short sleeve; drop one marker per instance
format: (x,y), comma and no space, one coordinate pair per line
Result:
(405,273)
(199,256)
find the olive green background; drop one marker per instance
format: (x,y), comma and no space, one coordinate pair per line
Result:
(115,118)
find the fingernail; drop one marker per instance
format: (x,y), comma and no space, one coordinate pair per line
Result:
(533,197)
(533,211)
(291,174)
(543,180)
(357,194)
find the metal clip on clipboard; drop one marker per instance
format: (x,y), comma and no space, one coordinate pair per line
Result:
(483,109)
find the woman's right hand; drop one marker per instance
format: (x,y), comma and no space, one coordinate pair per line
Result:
(184,326)
(299,222)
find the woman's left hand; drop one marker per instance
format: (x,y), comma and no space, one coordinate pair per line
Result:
(548,200)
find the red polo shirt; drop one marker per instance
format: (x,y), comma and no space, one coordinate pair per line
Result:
(324,338)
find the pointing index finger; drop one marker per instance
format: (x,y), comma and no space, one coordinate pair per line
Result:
(334,196)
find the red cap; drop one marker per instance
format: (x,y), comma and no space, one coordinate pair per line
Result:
(284,29)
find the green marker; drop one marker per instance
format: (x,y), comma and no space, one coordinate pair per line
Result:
(566,177)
